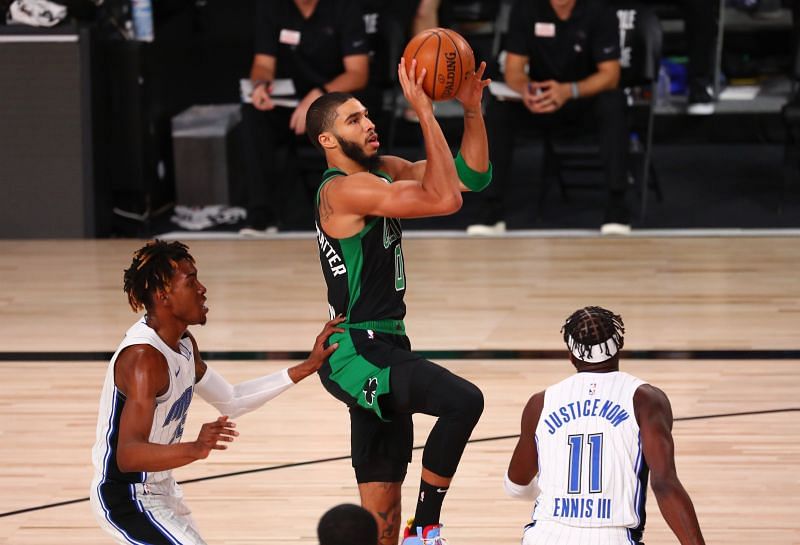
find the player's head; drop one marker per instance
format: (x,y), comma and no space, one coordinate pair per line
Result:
(347,524)
(338,122)
(162,275)
(594,336)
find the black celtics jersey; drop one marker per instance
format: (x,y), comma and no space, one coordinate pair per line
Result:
(364,273)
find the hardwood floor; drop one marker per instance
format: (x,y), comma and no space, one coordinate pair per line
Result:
(740,463)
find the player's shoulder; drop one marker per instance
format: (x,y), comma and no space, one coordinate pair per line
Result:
(344,183)
(648,397)
(141,358)
(533,408)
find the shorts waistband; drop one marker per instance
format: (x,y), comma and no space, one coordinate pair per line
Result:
(393,327)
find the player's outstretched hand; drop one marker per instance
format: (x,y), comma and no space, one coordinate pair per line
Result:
(471,90)
(411,82)
(213,434)
(319,353)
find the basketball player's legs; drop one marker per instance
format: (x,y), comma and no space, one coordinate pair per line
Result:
(421,386)
(381,451)
(131,516)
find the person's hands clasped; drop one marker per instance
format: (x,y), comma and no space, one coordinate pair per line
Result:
(260,97)
(471,91)
(545,97)
(411,82)
(212,434)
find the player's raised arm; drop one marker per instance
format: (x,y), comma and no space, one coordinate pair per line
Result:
(436,191)
(472,163)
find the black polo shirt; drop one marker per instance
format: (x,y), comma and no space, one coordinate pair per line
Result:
(563,50)
(309,51)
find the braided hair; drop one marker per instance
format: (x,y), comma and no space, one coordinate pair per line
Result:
(151,270)
(591,326)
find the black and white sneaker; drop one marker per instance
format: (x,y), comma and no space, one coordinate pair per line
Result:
(257,223)
(701,100)
(617,220)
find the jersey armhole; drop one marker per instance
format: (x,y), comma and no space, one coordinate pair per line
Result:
(327,176)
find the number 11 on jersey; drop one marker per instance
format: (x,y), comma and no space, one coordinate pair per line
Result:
(595,441)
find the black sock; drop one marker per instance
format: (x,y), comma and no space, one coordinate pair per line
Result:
(429,504)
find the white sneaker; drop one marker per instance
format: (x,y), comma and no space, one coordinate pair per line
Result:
(253,232)
(700,108)
(479,230)
(701,101)
(191,218)
(615,229)
(40,13)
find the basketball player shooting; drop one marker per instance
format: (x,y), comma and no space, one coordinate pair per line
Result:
(361,199)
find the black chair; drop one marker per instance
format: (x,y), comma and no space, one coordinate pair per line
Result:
(641,57)
(387,45)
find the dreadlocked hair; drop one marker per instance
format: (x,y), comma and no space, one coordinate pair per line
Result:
(151,270)
(592,326)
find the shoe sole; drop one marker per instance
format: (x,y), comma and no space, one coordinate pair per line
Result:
(487,230)
(700,109)
(615,229)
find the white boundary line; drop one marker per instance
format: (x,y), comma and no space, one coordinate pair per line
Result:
(33,38)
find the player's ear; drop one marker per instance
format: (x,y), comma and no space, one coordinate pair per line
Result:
(161,297)
(327,140)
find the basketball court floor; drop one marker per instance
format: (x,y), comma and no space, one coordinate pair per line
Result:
(714,321)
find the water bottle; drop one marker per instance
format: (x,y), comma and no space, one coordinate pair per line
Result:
(142,20)
(662,87)
(635,143)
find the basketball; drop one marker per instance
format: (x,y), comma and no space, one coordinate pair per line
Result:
(447,57)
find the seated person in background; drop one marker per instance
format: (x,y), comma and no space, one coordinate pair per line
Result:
(571,51)
(321,46)
(347,524)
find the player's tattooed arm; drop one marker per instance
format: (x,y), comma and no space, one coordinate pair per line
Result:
(325,208)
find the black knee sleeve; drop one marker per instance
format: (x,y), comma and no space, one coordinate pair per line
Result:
(459,405)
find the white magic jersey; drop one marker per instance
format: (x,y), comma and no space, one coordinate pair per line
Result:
(169,417)
(591,470)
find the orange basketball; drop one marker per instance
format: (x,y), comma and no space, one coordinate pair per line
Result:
(448,58)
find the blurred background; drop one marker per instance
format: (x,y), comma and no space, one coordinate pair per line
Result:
(122,118)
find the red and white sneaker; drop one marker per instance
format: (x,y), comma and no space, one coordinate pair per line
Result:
(430,535)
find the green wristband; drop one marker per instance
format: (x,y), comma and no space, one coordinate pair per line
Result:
(474,180)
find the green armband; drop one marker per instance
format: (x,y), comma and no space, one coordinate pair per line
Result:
(474,180)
